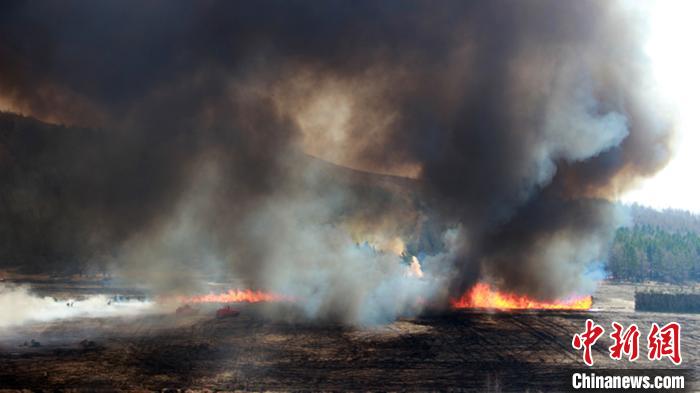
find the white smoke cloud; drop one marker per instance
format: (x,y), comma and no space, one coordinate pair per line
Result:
(19,306)
(329,273)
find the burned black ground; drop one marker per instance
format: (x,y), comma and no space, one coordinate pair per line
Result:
(471,350)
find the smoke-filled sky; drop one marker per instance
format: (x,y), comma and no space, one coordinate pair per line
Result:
(197,134)
(673,30)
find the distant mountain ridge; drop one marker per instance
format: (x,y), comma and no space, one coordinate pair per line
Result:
(54,207)
(40,222)
(670,220)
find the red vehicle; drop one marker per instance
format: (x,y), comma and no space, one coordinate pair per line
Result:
(226,312)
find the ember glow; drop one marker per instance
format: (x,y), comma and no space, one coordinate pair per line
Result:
(235,296)
(483,296)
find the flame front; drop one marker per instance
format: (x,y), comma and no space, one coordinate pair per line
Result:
(235,296)
(482,295)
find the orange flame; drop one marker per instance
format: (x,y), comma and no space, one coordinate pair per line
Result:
(482,296)
(235,296)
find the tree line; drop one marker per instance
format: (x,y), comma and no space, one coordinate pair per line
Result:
(650,252)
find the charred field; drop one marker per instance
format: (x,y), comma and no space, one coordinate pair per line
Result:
(475,350)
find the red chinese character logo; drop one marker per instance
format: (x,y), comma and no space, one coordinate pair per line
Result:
(665,341)
(625,343)
(586,340)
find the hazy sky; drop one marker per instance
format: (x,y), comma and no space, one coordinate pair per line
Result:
(673,48)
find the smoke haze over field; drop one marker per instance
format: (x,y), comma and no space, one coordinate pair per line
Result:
(513,123)
(20,306)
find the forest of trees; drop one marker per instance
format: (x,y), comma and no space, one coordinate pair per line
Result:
(659,246)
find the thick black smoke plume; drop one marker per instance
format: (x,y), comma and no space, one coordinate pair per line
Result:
(512,123)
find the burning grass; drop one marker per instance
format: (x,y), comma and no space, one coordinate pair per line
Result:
(235,296)
(482,295)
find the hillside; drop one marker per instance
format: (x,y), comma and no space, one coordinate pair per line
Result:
(659,246)
(670,220)
(59,186)
(41,179)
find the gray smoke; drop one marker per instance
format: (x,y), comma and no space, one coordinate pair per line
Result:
(510,126)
